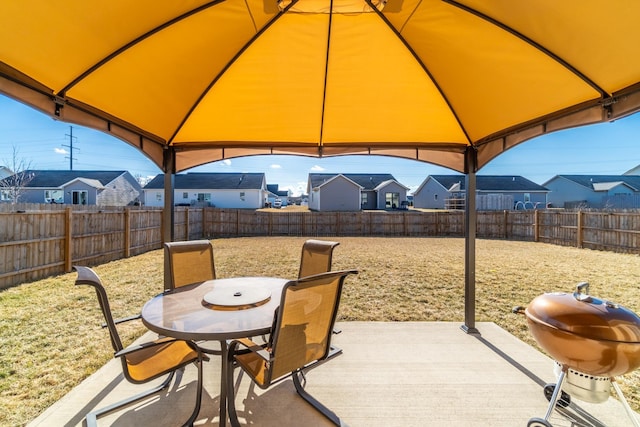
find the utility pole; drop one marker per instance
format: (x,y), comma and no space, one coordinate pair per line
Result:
(70,146)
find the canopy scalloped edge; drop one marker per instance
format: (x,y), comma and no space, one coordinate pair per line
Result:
(19,87)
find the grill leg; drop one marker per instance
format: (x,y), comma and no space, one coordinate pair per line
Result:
(625,404)
(557,392)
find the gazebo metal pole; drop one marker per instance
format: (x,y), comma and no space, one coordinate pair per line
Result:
(470,218)
(168,211)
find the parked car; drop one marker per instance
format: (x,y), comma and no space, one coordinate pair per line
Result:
(277,203)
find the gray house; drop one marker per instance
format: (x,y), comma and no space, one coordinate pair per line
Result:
(222,190)
(101,188)
(354,191)
(594,191)
(493,192)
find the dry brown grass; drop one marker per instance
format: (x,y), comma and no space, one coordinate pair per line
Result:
(51,339)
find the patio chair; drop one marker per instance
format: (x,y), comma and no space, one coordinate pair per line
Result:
(316,257)
(300,340)
(143,362)
(188,262)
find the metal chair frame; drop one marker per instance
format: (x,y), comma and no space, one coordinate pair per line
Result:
(244,345)
(86,276)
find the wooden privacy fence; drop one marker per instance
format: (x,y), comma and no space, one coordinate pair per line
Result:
(36,243)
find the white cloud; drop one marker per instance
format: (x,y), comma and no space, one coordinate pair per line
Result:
(317,168)
(226,162)
(60,151)
(276,166)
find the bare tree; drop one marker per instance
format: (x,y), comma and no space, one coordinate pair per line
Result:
(13,186)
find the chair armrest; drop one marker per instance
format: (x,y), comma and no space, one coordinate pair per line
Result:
(260,350)
(138,347)
(124,319)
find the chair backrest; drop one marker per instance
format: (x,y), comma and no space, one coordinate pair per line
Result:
(188,262)
(304,321)
(86,276)
(316,257)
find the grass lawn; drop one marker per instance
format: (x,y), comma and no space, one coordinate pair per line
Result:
(51,338)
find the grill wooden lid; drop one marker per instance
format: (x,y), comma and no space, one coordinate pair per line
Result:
(586,316)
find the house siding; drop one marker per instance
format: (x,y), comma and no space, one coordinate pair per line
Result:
(372,200)
(122,191)
(339,194)
(392,187)
(431,195)
(493,192)
(35,195)
(92,192)
(224,190)
(563,191)
(104,188)
(253,199)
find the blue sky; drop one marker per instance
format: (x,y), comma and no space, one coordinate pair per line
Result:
(609,148)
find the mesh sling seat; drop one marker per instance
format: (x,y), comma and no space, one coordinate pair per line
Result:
(316,257)
(188,262)
(300,339)
(143,362)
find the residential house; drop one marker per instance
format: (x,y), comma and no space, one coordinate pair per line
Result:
(493,192)
(354,192)
(5,172)
(276,193)
(101,188)
(633,171)
(594,191)
(222,190)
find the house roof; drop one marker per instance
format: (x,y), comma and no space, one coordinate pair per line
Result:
(58,178)
(601,182)
(90,182)
(273,189)
(489,183)
(368,181)
(633,171)
(387,182)
(211,181)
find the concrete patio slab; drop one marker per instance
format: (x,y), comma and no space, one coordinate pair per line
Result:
(391,374)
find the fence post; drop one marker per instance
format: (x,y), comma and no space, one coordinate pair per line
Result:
(505,221)
(536,225)
(204,231)
(580,231)
(67,241)
(127,232)
(186,223)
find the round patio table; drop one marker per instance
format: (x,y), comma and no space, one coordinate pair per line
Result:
(216,310)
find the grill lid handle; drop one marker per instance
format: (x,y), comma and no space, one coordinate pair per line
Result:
(582,292)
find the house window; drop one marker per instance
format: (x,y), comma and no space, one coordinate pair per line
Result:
(5,195)
(435,197)
(392,200)
(364,199)
(79,197)
(204,197)
(53,196)
(159,197)
(242,196)
(185,195)
(527,197)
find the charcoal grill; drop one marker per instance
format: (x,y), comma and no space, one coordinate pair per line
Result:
(592,341)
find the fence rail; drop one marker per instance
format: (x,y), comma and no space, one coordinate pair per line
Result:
(36,243)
